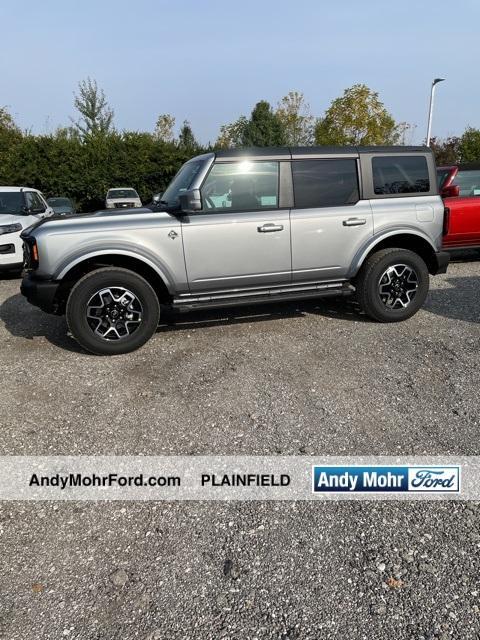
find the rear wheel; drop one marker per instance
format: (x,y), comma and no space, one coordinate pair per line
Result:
(112,311)
(392,285)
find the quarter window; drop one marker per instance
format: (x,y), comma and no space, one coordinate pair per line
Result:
(400,174)
(241,186)
(325,183)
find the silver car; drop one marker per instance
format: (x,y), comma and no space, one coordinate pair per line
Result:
(244,226)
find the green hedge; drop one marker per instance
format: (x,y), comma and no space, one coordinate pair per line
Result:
(64,165)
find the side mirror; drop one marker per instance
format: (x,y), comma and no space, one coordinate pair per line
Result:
(453,191)
(190,201)
(28,211)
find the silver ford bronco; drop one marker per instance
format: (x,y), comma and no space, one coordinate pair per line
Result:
(246,226)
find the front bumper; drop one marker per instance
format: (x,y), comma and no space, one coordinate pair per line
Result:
(10,266)
(11,252)
(40,293)
(443,258)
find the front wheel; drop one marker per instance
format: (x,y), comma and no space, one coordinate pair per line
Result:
(392,285)
(112,311)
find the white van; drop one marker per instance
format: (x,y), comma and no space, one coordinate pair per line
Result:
(20,207)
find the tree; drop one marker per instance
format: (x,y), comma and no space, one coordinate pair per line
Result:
(10,135)
(231,135)
(356,118)
(405,133)
(296,120)
(186,139)
(164,128)
(7,123)
(96,114)
(446,151)
(264,128)
(469,145)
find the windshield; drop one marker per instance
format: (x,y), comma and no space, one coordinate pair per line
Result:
(12,202)
(181,182)
(59,202)
(122,193)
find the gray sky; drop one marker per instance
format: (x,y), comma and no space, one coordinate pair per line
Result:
(209,61)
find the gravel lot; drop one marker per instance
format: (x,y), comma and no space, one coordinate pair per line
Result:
(292,379)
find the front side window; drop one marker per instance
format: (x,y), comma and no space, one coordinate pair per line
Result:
(400,174)
(325,183)
(34,201)
(468,181)
(241,186)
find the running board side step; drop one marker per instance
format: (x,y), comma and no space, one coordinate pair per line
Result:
(237,298)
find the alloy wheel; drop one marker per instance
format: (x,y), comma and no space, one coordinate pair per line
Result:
(114,313)
(398,286)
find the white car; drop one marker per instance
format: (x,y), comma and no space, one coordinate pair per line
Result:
(122,198)
(20,207)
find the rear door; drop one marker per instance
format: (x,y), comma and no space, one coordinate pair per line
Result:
(464,222)
(403,191)
(241,238)
(329,221)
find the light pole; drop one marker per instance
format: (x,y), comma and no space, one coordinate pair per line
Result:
(432,96)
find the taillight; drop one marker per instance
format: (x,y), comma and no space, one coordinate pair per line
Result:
(446,221)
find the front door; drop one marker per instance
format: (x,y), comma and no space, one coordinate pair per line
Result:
(240,239)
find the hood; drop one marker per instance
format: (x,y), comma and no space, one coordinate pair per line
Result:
(12,218)
(119,212)
(76,217)
(122,199)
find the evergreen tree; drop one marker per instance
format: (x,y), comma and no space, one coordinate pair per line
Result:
(264,128)
(186,139)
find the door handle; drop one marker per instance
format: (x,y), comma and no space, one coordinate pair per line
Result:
(270,226)
(354,222)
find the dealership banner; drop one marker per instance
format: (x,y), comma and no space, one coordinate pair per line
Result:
(238,478)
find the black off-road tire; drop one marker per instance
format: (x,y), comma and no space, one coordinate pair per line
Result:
(368,281)
(111,278)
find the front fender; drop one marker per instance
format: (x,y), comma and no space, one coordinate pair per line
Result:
(70,261)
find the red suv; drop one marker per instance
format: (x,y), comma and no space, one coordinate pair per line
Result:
(460,190)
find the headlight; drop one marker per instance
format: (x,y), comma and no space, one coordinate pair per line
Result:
(10,228)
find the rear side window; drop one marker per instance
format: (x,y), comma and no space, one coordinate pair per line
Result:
(468,182)
(325,183)
(400,174)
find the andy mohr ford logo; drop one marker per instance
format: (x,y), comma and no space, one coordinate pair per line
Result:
(389,479)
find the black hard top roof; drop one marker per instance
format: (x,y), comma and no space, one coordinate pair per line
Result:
(289,152)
